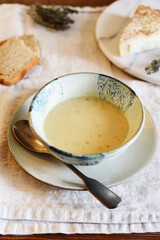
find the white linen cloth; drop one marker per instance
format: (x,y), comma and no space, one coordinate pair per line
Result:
(29,206)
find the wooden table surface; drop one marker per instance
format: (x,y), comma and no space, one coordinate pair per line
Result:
(134,236)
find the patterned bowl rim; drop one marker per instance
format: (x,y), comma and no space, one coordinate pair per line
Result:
(86,156)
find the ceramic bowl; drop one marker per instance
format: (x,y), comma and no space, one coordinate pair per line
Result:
(86,84)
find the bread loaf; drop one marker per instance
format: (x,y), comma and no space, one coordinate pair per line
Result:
(18,55)
(142,32)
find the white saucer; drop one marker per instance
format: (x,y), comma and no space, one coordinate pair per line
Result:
(108,29)
(48,169)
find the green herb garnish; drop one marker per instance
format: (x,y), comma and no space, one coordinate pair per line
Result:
(52,16)
(153,66)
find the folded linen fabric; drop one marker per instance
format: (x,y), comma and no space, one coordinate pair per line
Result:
(30,206)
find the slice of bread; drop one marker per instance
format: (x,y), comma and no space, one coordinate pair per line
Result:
(18,55)
(142,32)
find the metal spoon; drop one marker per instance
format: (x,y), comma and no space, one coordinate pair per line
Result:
(24,135)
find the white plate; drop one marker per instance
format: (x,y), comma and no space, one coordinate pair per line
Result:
(48,169)
(108,28)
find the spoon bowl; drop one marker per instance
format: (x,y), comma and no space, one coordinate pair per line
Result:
(26,137)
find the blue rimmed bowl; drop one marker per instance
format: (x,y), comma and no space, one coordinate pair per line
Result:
(86,84)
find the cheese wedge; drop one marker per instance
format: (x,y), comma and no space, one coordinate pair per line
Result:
(142,32)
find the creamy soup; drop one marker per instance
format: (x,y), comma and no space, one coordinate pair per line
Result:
(86,125)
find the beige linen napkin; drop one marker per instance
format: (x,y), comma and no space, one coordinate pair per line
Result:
(29,206)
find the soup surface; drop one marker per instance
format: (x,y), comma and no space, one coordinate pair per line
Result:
(86,125)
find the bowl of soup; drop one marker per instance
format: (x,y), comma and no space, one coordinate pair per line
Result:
(84,118)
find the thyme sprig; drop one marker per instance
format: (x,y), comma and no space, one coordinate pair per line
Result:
(55,17)
(153,66)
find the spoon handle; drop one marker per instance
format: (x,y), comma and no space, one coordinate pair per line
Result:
(108,198)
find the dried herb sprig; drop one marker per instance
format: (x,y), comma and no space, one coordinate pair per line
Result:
(52,16)
(153,66)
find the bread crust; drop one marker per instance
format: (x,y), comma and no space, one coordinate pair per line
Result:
(21,74)
(27,66)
